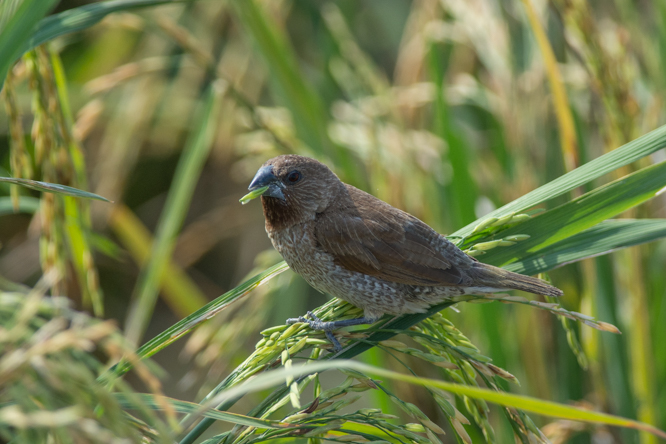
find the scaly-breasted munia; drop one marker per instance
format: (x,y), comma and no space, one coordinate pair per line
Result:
(351,245)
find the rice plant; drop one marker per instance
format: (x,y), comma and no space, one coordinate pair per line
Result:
(528,131)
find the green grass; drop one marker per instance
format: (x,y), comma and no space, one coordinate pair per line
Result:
(461,116)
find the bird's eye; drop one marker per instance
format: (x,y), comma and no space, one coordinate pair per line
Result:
(293,177)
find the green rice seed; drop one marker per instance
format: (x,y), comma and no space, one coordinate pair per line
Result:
(520,218)
(394,344)
(414,427)
(298,346)
(460,430)
(294,396)
(294,418)
(444,404)
(467,368)
(484,224)
(503,220)
(447,365)
(432,426)
(605,326)
(413,409)
(288,365)
(333,425)
(485,246)
(316,341)
(518,237)
(369,412)
(270,331)
(338,397)
(253,195)
(503,373)
(432,437)
(351,438)
(289,332)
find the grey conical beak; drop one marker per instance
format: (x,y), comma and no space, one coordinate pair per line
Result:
(265,177)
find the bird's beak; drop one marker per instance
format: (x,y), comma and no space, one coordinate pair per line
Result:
(264,183)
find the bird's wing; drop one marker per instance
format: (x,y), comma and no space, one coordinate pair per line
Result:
(377,239)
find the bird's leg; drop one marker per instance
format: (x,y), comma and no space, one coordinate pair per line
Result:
(329,327)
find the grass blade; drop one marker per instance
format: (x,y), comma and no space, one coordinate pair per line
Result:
(565,120)
(78,19)
(525,403)
(179,292)
(18,29)
(309,113)
(53,188)
(581,213)
(461,192)
(624,155)
(77,237)
(187,173)
(206,312)
(602,239)
(151,401)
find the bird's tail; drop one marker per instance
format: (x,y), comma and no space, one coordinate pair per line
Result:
(495,277)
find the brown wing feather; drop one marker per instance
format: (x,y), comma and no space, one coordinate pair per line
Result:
(369,236)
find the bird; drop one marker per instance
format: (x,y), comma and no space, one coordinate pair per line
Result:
(358,248)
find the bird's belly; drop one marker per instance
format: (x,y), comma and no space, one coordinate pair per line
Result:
(299,250)
(376,296)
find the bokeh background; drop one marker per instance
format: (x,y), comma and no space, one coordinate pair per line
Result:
(446,110)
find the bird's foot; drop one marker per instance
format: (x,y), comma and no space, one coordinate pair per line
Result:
(317,324)
(329,327)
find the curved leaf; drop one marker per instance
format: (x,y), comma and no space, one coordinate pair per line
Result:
(526,403)
(183,326)
(78,19)
(581,213)
(624,155)
(18,29)
(53,188)
(604,238)
(155,403)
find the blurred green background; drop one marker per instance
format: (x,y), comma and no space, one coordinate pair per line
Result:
(443,109)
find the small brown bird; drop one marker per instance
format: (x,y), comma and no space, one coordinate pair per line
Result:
(353,246)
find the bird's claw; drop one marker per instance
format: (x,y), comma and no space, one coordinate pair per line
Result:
(297,320)
(336,344)
(317,324)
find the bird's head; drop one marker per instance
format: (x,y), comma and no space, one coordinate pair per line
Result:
(294,186)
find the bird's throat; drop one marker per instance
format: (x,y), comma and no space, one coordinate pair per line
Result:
(280,214)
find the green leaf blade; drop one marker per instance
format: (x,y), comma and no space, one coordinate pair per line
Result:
(155,403)
(55,188)
(581,213)
(624,155)
(18,29)
(209,310)
(604,238)
(185,178)
(83,17)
